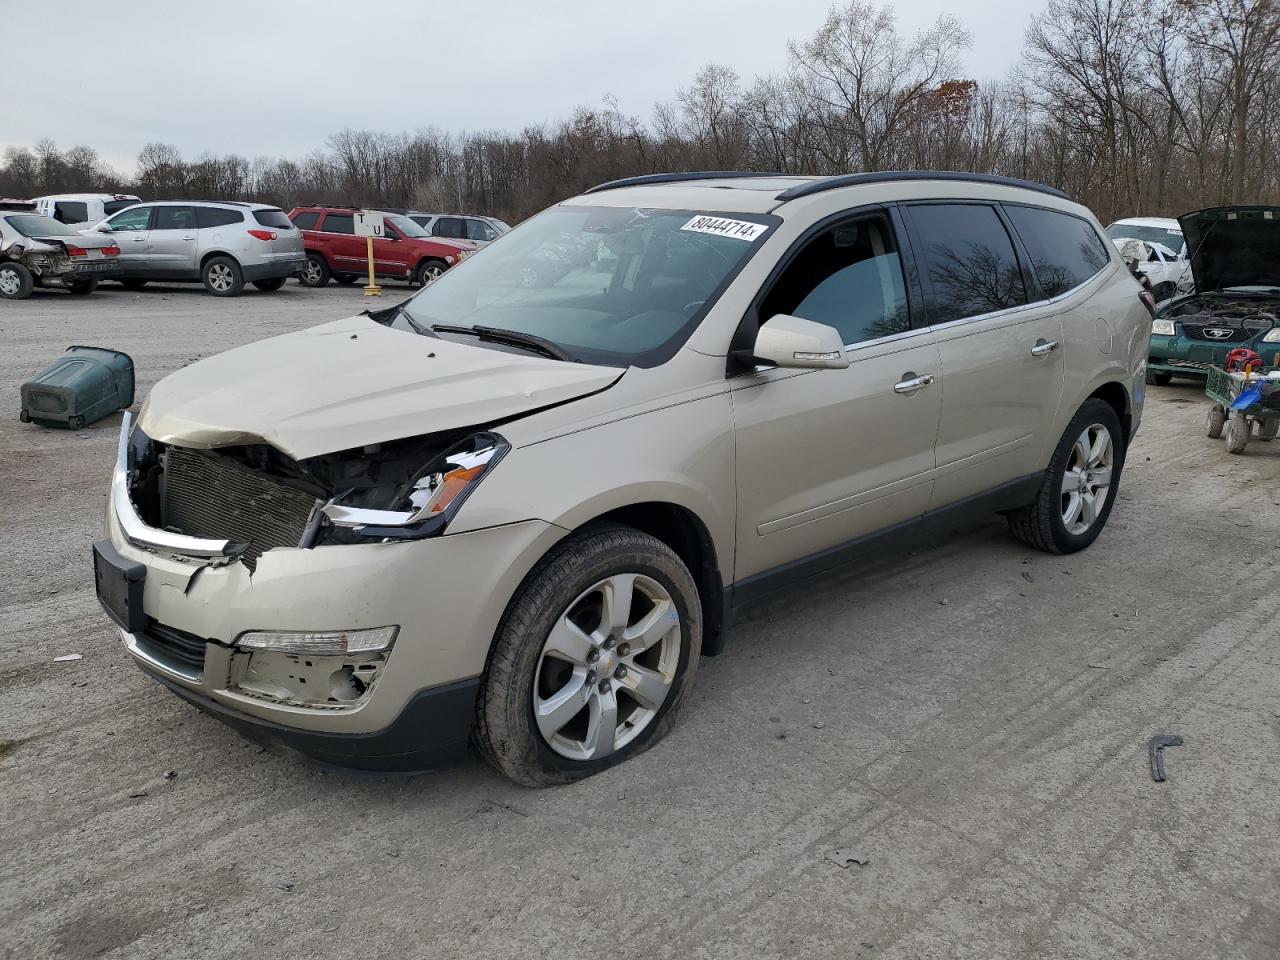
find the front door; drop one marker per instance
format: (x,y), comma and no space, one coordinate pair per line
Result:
(173,242)
(828,456)
(131,230)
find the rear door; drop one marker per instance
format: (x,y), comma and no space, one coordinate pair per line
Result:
(173,242)
(999,342)
(345,251)
(449,228)
(132,231)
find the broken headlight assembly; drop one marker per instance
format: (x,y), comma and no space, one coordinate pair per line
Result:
(432,497)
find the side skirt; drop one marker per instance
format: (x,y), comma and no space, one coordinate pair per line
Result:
(918,531)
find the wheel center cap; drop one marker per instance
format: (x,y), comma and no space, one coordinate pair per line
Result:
(606,663)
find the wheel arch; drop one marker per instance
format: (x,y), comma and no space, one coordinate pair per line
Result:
(1114,394)
(210,254)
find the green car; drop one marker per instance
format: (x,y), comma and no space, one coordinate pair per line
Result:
(1235,258)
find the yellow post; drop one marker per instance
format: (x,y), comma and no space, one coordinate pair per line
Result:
(372,290)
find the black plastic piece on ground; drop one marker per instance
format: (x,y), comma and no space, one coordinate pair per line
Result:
(1156,746)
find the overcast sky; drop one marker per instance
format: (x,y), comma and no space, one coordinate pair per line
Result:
(276,78)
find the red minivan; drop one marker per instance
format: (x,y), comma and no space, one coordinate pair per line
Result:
(407,252)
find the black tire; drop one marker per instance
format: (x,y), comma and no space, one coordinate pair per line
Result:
(1238,430)
(1040,524)
(429,270)
(83,287)
(16,282)
(1161,378)
(506,733)
(133,284)
(346,279)
(1267,430)
(222,277)
(75,423)
(270,285)
(316,273)
(1214,421)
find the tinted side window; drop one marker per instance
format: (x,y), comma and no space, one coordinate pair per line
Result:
(969,260)
(70,211)
(135,218)
(451,227)
(175,218)
(217,217)
(306,221)
(1065,251)
(339,223)
(479,230)
(849,278)
(273,218)
(115,206)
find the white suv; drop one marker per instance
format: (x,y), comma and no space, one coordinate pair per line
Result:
(521,514)
(83,209)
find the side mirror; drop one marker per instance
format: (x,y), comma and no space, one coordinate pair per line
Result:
(103,228)
(792,342)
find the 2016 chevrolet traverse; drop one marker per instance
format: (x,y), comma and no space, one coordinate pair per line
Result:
(519,514)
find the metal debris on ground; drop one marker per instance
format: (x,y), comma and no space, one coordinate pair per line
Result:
(844,859)
(67,658)
(1156,745)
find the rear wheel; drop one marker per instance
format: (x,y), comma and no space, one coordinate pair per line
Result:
(315,273)
(594,656)
(1214,421)
(1079,487)
(222,277)
(1238,430)
(1268,429)
(15,281)
(274,283)
(1161,378)
(82,287)
(431,270)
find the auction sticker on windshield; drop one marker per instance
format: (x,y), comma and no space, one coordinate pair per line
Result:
(720,227)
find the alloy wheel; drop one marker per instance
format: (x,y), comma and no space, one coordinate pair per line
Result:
(607,667)
(1087,478)
(311,273)
(220,277)
(10,282)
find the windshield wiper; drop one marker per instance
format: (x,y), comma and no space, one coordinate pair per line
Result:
(513,337)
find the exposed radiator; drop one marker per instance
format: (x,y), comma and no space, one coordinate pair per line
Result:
(211,496)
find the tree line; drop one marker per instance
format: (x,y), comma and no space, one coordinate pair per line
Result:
(1133,107)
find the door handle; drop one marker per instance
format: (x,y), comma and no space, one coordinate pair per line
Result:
(138,239)
(910,383)
(188,238)
(1044,347)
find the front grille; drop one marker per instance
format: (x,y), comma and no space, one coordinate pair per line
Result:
(217,498)
(179,649)
(1196,331)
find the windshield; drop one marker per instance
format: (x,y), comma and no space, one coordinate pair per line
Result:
(406,226)
(34,225)
(608,285)
(1171,237)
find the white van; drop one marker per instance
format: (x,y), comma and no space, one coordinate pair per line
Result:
(83,209)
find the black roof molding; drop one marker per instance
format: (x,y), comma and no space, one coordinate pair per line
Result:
(824,184)
(678,178)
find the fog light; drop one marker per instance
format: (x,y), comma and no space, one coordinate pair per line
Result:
(317,643)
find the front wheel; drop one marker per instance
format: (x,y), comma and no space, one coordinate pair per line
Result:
(16,282)
(273,283)
(431,270)
(592,660)
(1080,485)
(1238,430)
(315,273)
(222,277)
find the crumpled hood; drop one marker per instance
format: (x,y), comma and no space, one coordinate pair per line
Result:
(1235,246)
(350,383)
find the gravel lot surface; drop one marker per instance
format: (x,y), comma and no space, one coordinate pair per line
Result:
(971,721)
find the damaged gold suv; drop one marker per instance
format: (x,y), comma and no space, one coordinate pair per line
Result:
(518,513)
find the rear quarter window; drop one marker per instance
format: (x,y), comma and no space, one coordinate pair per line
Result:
(115,206)
(307,220)
(1065,251)
(217,217)
(70,211)
(273,218)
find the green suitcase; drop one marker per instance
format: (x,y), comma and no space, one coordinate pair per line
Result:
(83,385)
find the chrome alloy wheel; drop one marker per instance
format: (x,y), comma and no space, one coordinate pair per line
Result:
(607,667)
(311,273)
(430,274)
(220,277)
(1087,478)
(10,282)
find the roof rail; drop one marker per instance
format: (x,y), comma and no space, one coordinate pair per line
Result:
(823,184)
(677,178)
